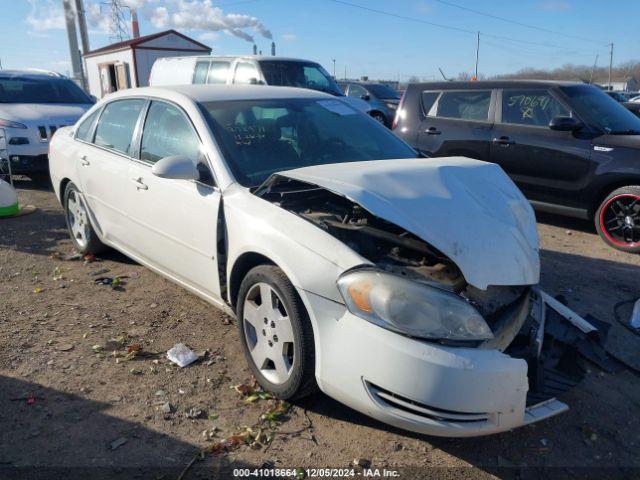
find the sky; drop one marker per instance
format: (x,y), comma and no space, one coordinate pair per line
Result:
(381,39)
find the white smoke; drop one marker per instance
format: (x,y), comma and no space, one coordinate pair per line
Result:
(202,15)
(179,14)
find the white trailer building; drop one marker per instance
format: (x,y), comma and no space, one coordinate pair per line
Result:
(128,64)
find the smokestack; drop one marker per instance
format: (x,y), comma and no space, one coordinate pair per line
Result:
(255,49)
(82,26)
(72,35)
(135,27)
(273,49)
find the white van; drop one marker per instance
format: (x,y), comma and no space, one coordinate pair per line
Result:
(252,70)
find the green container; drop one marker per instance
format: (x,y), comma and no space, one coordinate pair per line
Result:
(9,211)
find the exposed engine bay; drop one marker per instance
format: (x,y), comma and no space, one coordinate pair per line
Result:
(524,326)
(388,246)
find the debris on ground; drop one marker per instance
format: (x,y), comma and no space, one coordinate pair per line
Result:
(167,408)
(633,322)
(57,274)
(181,355)
(361,462)
(113,282)
(100,271)
(193,413)
(66,257)
(118,443)
(278,413)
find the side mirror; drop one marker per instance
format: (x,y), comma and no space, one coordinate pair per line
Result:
(565,124)
(365,96)
(176,167)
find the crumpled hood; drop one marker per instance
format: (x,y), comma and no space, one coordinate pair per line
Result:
(49,113)
(468,209)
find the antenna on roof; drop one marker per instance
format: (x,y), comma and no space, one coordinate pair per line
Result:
(118,25)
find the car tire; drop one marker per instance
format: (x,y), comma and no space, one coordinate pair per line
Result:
(84,238)
(379,117)
(284,366)
(618,219)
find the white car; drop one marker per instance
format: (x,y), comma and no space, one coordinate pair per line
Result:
(251,70)
(33,105)
(404,287)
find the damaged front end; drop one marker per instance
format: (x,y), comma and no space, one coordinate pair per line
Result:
(525,323)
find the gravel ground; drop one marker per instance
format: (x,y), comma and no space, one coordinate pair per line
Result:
(72,402)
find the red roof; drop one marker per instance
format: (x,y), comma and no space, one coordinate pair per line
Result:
(137,41)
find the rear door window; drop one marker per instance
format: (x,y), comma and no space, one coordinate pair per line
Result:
(534,107)
(116,125)
(428,99)
(200,72)
(85,130)
(218,73)
(467,105)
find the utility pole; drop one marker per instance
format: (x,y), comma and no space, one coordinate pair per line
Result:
(477,55)
(593,70)
(82,26)
(345,73)
(70,19)
(610,63)
(334,68)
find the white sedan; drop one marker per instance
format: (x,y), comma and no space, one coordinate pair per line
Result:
(404,287)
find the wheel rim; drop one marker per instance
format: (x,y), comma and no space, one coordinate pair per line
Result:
(78,218)
(269,333)
(378,118)
(620,220)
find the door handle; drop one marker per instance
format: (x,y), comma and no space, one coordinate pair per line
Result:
(432,131)
(84,162)
(140,185)
(504,141)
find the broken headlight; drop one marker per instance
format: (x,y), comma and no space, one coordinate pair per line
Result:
(411,308)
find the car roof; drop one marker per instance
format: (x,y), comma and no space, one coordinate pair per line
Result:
(31,74)
(248,57)
(212,93)
(480,84)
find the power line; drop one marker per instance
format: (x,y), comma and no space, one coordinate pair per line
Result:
(450,27)
(516,22)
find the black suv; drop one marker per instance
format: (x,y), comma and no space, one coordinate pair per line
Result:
(569,147)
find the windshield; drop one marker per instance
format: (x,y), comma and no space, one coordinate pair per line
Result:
(261,137)
(299,74)
(29,90)
(602,111)
(383,91)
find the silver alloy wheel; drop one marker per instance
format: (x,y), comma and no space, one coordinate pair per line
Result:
(78,218)
(269,333)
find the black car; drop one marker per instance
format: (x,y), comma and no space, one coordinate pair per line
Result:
(569,147)
(382,99)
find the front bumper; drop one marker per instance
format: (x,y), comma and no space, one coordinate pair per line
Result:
(421,386)
(26,164)
(28,158)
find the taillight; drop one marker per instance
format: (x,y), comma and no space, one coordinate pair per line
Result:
(399,111)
